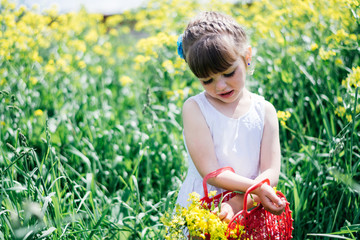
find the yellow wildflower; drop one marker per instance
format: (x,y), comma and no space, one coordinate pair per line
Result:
(125,80)
(98,70)
(168,93)
(141,59)
(353,37)
(114,20)
(81,64)
(35,57)
(314,46)
(92,36)
(38,113)
(325,55)
(283,117)
(348,117)
(2,123)
(340,111)
(113,32)
(212,194)
(111,61)
(353,79)
(79,45)
(61,63)
(50,67)
(169,66)
(33,80)
(338,61)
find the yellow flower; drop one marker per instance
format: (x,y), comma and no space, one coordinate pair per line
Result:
(125,80)
(140,60)
(169,66)
(114,20)
(81,64)
(169,93)
(340,35)
(338,61)
(354,3)
(340,111)
(111,61)
(113,32)
(353,79)
(92,36)
(35,57)
(2,82)
(353,37)
(212,194)
(2,123)
(38,113)
(79,45)
(99,70)
(33,80)
(61,63)
(349,117)
(314,46)
(283,117)
(50,67)
(325,55)
(199,220)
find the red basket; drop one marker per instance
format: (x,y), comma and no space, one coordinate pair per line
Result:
(256,224)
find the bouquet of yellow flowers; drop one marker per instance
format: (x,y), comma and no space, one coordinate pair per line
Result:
(197,221)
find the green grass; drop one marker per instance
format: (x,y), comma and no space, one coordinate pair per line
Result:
(104,159)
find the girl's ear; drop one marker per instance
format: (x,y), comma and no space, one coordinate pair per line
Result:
(248,55)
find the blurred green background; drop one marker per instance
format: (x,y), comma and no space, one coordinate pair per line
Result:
(90,115)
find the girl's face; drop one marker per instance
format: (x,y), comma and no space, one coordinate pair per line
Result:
(227,86)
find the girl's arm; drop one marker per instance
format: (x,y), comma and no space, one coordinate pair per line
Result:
(201,148)
(270,161)
(270,154)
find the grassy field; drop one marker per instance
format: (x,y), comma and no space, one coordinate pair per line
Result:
(90,127)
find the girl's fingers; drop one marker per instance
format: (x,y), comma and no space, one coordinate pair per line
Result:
(222,215)
(276,209)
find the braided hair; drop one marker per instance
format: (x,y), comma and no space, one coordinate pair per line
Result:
(212,42)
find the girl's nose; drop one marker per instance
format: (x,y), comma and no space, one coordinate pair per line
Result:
(220,83)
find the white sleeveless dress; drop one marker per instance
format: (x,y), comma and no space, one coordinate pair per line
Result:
(237,144)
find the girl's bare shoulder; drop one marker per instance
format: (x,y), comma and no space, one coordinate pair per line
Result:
(190,106)
(270,114)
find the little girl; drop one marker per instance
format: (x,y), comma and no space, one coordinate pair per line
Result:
(226,124)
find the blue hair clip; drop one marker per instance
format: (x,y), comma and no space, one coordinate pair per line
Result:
(180,50)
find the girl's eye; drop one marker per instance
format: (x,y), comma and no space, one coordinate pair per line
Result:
(229,74)
(207,81)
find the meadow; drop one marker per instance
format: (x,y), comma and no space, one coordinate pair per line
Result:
(91,140)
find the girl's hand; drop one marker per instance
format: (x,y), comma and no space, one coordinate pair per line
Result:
(270,200)
(230,208)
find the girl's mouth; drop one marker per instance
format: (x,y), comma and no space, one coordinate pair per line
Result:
(227,94)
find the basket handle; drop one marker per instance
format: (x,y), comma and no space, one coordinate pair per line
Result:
(214,174)
(244,211)
(252,188)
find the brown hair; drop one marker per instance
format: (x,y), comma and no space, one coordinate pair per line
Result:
(212,42)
